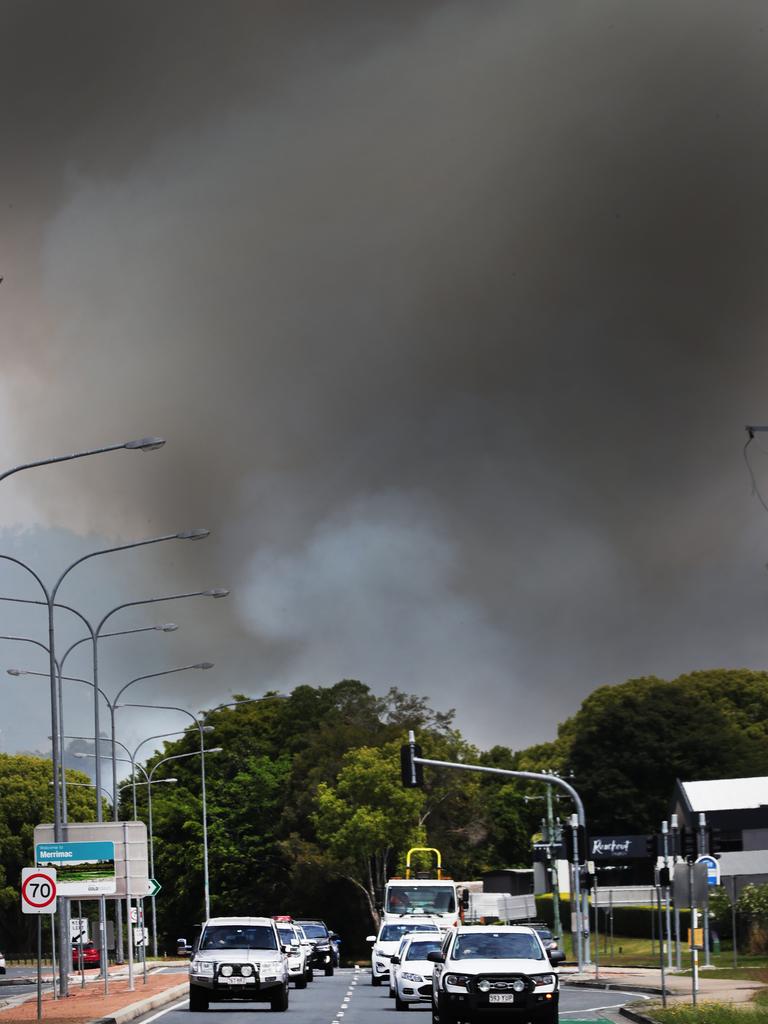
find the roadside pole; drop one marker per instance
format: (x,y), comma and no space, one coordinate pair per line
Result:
(39,968)
(668,912)
(552,838)
(704,849)
(694,923)
(576,894)
(596,903)
(53,953)
(661,945)
(733,920)
(675,851)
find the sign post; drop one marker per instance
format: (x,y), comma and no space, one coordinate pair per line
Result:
(38,896)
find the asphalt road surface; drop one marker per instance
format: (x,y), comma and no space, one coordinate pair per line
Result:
(349,998)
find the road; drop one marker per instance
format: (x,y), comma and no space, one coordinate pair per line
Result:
(349,998)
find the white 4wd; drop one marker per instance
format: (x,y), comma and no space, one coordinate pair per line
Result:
(487,971)
(238,958)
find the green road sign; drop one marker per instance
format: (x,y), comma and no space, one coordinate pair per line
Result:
(154,887)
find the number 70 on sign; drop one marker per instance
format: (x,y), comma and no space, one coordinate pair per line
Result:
(38,890)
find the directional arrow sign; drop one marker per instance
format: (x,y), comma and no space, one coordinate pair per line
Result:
(154,887)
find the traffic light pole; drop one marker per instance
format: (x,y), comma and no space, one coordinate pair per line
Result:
(582,922)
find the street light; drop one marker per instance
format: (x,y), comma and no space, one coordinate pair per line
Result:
(144,444)
(165,627)
(50,602)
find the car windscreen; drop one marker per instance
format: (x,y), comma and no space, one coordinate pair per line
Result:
(232,936)
(497,946)
(287,937)
(419,950)
(420,899)
(393,932)
(315,931)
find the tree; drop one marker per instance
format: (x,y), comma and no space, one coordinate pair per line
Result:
(627,744)
(26,800)
(367,818)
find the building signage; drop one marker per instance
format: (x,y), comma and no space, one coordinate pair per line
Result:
(617,848)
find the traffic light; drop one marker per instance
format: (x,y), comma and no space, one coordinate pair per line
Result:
(714,840)
(652,846)
(412,774)
(688,845)
(586,879)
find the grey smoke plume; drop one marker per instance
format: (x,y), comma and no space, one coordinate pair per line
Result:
(452,314)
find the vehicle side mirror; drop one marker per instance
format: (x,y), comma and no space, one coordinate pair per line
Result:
(436,957)
(394,959)
(556,956)
(370,938)
(286,948)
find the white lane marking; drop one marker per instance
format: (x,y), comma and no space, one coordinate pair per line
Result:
(168,1009)
(593,1009)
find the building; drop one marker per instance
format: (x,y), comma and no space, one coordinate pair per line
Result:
(739,809)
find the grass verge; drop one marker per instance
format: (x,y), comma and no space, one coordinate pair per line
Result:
(712,1013)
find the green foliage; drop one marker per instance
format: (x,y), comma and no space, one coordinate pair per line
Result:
(26,800)
(627,744)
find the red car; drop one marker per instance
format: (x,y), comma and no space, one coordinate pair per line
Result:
(91,955)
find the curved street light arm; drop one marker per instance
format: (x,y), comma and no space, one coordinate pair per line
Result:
(153,675)
(146,444)
(173,757)
(109,551)
(149,600)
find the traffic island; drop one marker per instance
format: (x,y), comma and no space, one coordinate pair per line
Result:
(90,1004)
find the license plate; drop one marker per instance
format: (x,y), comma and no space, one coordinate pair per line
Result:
(235,981)
(505,998)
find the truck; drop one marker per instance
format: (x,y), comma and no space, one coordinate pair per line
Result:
(436,897)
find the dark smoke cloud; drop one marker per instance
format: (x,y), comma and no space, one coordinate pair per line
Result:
(452,313)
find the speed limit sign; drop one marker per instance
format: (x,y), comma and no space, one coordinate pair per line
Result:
(38,890)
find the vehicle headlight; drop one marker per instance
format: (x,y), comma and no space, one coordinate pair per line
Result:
(323,946)
(226,971)
(484,985)
(457,981)
(543,979)
(518,985)
(412,977)
(246,970)
(202,967)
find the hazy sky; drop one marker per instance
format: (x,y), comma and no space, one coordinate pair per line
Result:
(452,315)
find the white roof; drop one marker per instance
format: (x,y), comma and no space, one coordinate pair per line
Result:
(240,921)
(727,794)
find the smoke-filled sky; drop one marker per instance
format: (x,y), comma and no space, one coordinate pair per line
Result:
(452,314)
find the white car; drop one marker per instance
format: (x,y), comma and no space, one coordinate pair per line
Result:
(487,971)
(298,962)
(238,958)
(399,952)
(308,946)
(412,970)
(2,964)
(387,941)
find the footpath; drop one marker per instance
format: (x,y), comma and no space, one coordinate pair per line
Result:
(646,981)
(90,1003)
